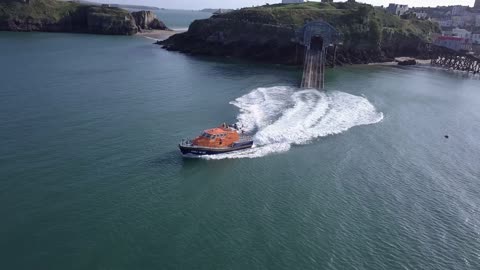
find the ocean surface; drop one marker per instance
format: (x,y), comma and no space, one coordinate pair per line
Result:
(180,19)
(360,176)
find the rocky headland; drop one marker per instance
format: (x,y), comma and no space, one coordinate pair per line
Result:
(267,33)
(147,20)
(72,17)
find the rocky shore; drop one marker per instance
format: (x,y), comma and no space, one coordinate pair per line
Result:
(268,33)
(72,17)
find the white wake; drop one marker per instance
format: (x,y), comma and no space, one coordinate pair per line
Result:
(280,117)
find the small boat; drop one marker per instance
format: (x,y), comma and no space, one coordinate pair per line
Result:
(223,139)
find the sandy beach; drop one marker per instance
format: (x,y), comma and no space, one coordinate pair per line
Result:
(158,34)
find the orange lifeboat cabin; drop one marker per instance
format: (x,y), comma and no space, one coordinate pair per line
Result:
(223,139)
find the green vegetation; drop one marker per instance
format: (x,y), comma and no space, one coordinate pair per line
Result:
(361,24)
(45,9)
(63,16)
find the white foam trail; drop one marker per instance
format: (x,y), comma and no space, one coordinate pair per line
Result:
(283,116)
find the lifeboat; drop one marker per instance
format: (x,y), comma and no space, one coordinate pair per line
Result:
(223,139)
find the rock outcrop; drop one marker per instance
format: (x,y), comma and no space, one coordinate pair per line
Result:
(147,20)
(406,61)
(268,33)
(56,16)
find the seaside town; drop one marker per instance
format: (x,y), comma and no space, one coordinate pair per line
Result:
(460,25)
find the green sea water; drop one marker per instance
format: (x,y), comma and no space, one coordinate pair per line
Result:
(357,177)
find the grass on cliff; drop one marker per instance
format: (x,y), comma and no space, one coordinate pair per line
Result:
(50,9)
(37,9)
(357,22)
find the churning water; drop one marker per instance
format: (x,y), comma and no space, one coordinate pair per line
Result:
(282,116)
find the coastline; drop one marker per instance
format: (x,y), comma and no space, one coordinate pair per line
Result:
(158,34)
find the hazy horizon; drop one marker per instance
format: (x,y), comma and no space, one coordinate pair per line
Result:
(200,4)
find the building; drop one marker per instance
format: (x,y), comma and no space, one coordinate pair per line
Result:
(397,9)
(477,4)
(444,22)
(459,10)
(454,43)
(477,20)
(293,1)
(457,32)
(476,38)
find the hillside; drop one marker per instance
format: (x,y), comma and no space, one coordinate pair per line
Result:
(267,33)
(58,16)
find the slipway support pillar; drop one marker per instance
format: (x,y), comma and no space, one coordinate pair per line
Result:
(317,36)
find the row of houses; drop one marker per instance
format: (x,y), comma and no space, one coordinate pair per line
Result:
(454,22)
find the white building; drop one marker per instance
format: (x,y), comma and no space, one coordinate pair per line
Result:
(462,33)
(444,22)
(397,9)
(421,14)
(293,1)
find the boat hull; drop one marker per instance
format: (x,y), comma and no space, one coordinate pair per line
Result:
(202,151)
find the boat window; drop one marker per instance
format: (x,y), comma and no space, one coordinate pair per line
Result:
(206,135)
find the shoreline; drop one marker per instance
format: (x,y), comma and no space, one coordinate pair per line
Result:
(420,62)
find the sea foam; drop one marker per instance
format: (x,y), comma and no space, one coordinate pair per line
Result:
(281,116)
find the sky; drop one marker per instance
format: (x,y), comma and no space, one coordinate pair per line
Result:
(199,4)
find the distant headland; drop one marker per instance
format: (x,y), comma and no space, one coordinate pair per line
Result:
(74,17)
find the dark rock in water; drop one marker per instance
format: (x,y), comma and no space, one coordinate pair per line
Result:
(446,137)
(159,25)
(407,62)
(147,20)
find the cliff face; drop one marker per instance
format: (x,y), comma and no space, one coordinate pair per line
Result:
(56,16)
(147,20)
(268,33)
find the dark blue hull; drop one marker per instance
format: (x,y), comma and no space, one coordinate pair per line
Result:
(201,151)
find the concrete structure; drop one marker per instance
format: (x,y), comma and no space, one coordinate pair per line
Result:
(454,43)
(477,20)
(397,9)
(317,36)
(477,4)
(293,1)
